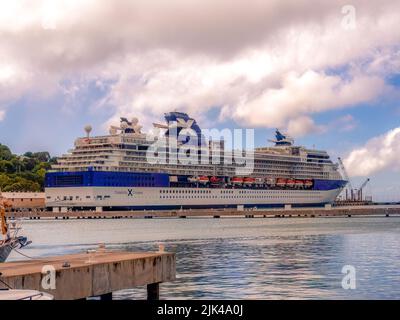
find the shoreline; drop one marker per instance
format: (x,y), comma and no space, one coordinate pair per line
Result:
(342,211)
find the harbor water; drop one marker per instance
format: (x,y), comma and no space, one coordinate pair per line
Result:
(238,258)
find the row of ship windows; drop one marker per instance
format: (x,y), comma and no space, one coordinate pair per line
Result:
(247,192)
(235,197)
(271,165)
(205,167)
(143,157)
(138,150)
(194,168)
(185,191)
(208,167)
(70,198)
(257,157)
(257,164)
(202,196)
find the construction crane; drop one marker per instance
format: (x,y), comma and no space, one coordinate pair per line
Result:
(360,190)
(350,187)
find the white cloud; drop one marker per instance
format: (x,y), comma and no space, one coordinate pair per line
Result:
(303,125)
(307,93)
(378,154)
(262,63)
(2,115)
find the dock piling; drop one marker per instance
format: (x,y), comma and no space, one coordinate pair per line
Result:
(153,291)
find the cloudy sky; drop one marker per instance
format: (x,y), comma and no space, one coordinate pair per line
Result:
(328,72)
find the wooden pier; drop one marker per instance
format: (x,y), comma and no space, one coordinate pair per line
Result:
(92,274)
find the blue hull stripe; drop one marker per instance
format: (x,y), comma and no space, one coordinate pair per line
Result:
(328,184)
(138,179)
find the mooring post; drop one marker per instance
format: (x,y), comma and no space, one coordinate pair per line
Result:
(153,291)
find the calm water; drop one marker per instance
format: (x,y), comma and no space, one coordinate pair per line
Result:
(245,258)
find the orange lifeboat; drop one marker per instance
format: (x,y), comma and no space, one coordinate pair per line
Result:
(290,183)
(249,181)
(203,179)
(281,182)
(237,180)
(299,183)
(215,180)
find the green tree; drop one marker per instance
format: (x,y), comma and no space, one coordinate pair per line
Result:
(42,156)
(5,153)
(5,180)
(23,173)
(29,163)
(23,185)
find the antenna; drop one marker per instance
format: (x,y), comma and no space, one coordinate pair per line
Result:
(88,129)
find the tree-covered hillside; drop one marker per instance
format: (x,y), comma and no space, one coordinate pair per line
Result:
(23,173)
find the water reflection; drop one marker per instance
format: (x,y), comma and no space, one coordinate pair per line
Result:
(246,258)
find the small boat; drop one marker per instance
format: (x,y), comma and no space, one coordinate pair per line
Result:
(299,183)
(259,181)
(290,183)
(308,183)
(203,180)
(270,181)
(281,182)
(248,181)
(193,179)
(215,180)
(237,180)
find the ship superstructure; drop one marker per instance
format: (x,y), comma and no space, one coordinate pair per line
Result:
(123,170)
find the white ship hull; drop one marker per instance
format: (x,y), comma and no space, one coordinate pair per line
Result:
(109,198)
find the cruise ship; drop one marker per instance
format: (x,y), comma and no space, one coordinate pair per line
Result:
(130,170)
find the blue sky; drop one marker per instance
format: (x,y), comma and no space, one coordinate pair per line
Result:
(34,125)
(304,69)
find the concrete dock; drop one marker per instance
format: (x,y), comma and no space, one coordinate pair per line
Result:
(93,274)
(334,211)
